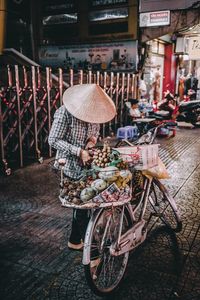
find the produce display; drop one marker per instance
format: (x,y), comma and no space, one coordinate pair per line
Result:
(101,157)
(109,180)
(72,190)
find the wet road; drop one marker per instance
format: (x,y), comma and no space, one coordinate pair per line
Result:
(36,264)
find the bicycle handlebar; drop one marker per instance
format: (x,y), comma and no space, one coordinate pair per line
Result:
(147,138)
(155,130)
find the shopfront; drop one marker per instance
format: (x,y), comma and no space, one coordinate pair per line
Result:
(154,70)
(188,54)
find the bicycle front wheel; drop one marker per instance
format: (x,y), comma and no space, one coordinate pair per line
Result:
(164,206)
(105,272)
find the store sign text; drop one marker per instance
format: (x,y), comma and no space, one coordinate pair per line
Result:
(157,18)
(196,45)
(194,48)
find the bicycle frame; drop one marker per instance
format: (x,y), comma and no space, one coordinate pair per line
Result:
(137,233)
(131,238)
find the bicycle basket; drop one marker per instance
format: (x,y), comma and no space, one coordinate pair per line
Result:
(141,157)
(111,196)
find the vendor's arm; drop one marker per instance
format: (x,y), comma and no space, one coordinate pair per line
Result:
(57,133)
(91,142)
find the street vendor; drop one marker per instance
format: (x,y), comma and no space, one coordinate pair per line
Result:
(75,129)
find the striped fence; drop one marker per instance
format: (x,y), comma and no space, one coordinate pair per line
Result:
(29,98)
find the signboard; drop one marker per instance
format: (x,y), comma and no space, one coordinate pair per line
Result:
(104,56)
(153,5)
(157,18)
(194,48)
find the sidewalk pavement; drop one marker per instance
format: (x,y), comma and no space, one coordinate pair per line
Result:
(36,264)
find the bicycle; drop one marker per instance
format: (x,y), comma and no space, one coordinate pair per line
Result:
(114,231)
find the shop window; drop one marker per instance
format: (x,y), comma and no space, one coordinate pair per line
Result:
(60,19)
(108,14)
(105,29)
(51,35)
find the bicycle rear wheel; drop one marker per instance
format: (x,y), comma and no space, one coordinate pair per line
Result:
(105,272)
(164,206)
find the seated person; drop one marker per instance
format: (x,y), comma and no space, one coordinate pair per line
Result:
(167,104)
(134,109)
(135,114)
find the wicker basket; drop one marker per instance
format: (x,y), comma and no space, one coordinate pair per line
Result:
(110,197)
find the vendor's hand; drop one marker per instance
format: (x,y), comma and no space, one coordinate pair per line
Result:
(85,156)
(91,143)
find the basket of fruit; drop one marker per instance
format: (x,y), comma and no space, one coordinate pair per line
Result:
(111,196)
(108,187)
(107,182)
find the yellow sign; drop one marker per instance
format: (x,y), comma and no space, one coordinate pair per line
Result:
(194,48)
(2,24)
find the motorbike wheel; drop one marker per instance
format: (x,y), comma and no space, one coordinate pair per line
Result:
(195,120)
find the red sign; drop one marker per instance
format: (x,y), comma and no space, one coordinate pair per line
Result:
(159,17)
(156,18)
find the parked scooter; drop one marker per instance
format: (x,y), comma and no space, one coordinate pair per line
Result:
(184,112)
(189,112)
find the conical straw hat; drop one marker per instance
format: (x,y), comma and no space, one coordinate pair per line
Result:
(89,103)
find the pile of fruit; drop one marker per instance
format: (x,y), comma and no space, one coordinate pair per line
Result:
(71,190)
(106,157)
(101,157)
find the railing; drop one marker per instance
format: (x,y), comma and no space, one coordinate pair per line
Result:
(29,98)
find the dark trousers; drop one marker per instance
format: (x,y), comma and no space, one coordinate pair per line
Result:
(79,225)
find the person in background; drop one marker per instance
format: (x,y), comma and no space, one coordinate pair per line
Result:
(168,103)
(156,86)
(191,84)
(142,88)
(176,100)
(181,87)
(134,111)
(75,129)
(135,114)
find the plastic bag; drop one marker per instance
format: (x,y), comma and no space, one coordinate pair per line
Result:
(158,171)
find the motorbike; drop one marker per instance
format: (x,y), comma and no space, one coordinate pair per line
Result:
(188,112)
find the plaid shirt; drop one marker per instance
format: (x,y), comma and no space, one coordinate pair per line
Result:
(69,135)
